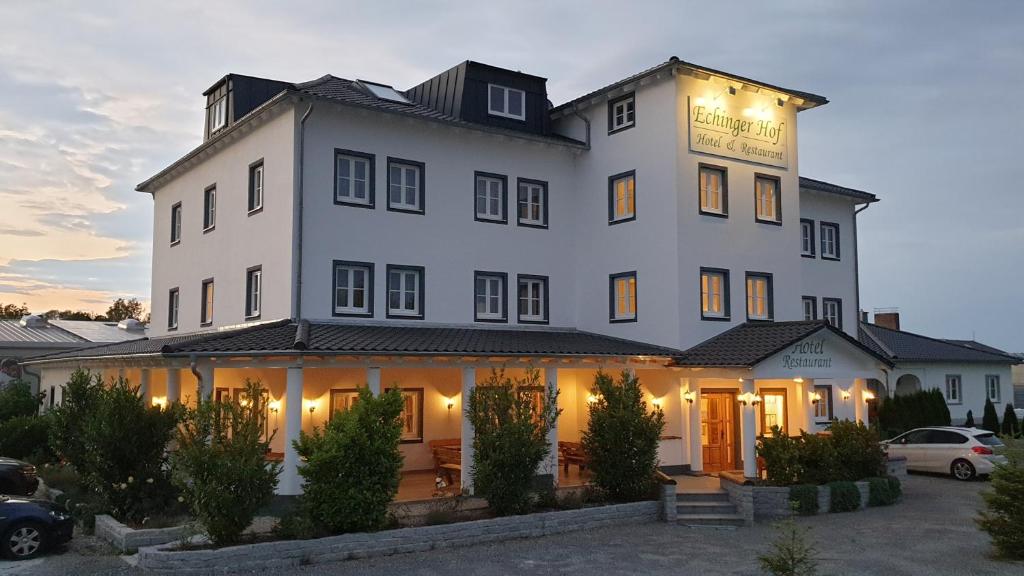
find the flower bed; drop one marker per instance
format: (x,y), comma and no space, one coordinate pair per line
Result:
(127,540)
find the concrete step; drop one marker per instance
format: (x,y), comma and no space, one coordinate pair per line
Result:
(710,520)
(703,496)
(705,508)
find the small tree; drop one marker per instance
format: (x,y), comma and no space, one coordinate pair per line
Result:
(221,467)
(858,452)
(969,422)
(511,421)
(621,438)
(122,309)
(352,467)
(1011,426)
(1003,516)
(78,403)
(17,400)
(792,554)
(782,456)
(990,419)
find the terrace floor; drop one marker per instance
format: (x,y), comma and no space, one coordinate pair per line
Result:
(419,484)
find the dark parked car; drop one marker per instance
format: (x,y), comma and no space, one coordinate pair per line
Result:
(17,478)
(29,527)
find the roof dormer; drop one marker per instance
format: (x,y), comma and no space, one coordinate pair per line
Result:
(234,96)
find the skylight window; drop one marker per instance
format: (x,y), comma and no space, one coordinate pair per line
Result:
(384,92)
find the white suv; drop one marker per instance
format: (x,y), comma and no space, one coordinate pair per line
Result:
(962,452)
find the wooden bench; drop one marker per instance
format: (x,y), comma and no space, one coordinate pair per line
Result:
(447,458)
(572,453)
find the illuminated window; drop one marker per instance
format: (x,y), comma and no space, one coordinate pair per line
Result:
(773,411)
(172,308)
(759,296)
(823,409)
(767,200)
(412,415)
(992,387)
(209,208)
(353,178)
(829,241)
(253,291)
(489,292)
(621,113)
(533,203)
(405,185)
(714,191)
(506,102)
(176,223)
(807,238)
(832,311)
(206,308)
(533,299)
(623,297)
(256,186)
(491,197)
(810,305)
(405,291)
(353,288)
(714,294)
(622,197)
(953,389)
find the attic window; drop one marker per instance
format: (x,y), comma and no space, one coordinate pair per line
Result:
(506,102)
(219,113)
(384,92)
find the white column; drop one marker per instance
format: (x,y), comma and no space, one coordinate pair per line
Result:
(860,407)
(373,380)
(468,383)
(290,484)
(551,465)
(144,392)
(749,432)
(805,400)
(173,385)
(684,408)
(696,448)
(205,382)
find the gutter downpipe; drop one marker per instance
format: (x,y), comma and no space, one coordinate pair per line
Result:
(299,218)
(193,367)
(586,122)
(856,260)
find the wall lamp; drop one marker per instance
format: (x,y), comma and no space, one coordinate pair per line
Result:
(656,402)
(311,406)
(160,401)
(689,396)
(749,398)
(869,395)
(845,394)
(274,406)
(450,404)
(815,398)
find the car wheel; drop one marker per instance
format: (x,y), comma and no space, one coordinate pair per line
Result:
(23,541)
(962,470)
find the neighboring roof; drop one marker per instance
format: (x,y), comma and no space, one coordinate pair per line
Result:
(317,338)
(751,343)
(673,62)
(12,332)
(900,346)
(97,331)
(62,334)
(828,187)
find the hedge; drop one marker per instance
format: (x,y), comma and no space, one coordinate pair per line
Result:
(803,498)
(845,496)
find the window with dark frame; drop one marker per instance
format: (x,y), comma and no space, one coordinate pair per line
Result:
(622,297)
(953,389)
(992,389)
(206,304)
(219,114)
(533,203)
(255,186)
(353,288)
(173,300)
(807,238)
(354,178)
(622,197)
(823,409)
(489,293)
(810,306)
(405,291)
(832,311)
(714,294)
(714,190)
(176,223)
(506,102)
(491,197)
(621,113)
(532,299)
(406,185)
(767,199)
(253,291)
(209,208)
(759,296)
(829,241)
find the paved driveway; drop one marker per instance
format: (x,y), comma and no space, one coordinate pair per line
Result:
(930,532)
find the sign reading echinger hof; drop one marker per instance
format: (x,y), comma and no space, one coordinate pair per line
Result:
(745,127)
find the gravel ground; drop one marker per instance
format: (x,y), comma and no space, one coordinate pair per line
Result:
(930,532)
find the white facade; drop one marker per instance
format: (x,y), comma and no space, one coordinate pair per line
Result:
(973,389)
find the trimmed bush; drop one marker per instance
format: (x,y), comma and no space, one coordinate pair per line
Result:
(511,438)
(969,422)
(989,418)
(781,457)
(16,399)
(851,452)
(1003,516)
(352,467)
(78,404)
(898,414)
(220,465)
(621,438)
(1011,426)
(803,498)
(882,491)
(858,454)
(845,497)
(25,437)
(819,462)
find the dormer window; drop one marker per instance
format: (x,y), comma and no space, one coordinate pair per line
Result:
(219,113)
(506,102)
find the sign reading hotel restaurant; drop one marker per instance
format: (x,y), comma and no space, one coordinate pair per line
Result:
(807,354)
(742,126)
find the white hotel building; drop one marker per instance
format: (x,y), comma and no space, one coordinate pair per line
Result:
(338,233)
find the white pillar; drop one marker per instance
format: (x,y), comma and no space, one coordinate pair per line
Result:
(749,432)
(468,383)
(684,429)
(205,382)
(551,465)
(173,385)
(805,400)
(860,407)
(144,391)
(696,447)
(290,484)
(373,380)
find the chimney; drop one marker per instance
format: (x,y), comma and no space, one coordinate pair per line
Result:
(888,318)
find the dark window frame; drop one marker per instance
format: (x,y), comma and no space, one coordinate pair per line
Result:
(202,302)
(726,296)
(335,264)
(252,210)
(821,235)
(209,226)
(421,185)
(504,197)
(999,388)
(177,223)
(547,301)
(725,190)
(814,306)
(839,310)
(173,311)
(611,113)
(544,195)
(421,300)
(611,297)
(504,300)
(770,295)
(248,292)
(611,197)
(825,397)
(371,181)
(778,199)
(814,245)
(959,389)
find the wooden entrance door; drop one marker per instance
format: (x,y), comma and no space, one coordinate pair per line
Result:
(718,431)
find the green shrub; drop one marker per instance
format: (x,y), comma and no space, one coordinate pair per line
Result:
(781,457)
(297,525)
(969,422)
(1003,515)
(511,438)
(220,465)
(804,499)
(78,403)
(792,554)
(621,439)
(989,418)
(1011,426)
(352,467)
(818,461)
(16,399)
(858,454)
(25,437)
(845,497)
(883,491)
(898,414)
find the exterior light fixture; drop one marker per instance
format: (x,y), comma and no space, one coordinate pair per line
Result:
(869,395)
(274,406)
(656,402)
(689,396)
(311,406)
(450,404)
(749,399)
(845,394)
(815,398)
(757,399)
(591,399)
(798,380)
(160,401)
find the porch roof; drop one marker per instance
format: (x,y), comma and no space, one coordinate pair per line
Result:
(750,343)
(287,337)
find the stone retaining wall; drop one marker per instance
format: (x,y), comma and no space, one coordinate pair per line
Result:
(896,466)
(761,503)
(127,540)
(292,553)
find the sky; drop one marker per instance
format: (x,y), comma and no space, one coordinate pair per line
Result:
(925,111)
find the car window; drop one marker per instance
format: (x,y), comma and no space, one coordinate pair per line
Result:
(914,437)
(945,437)
(989,439)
